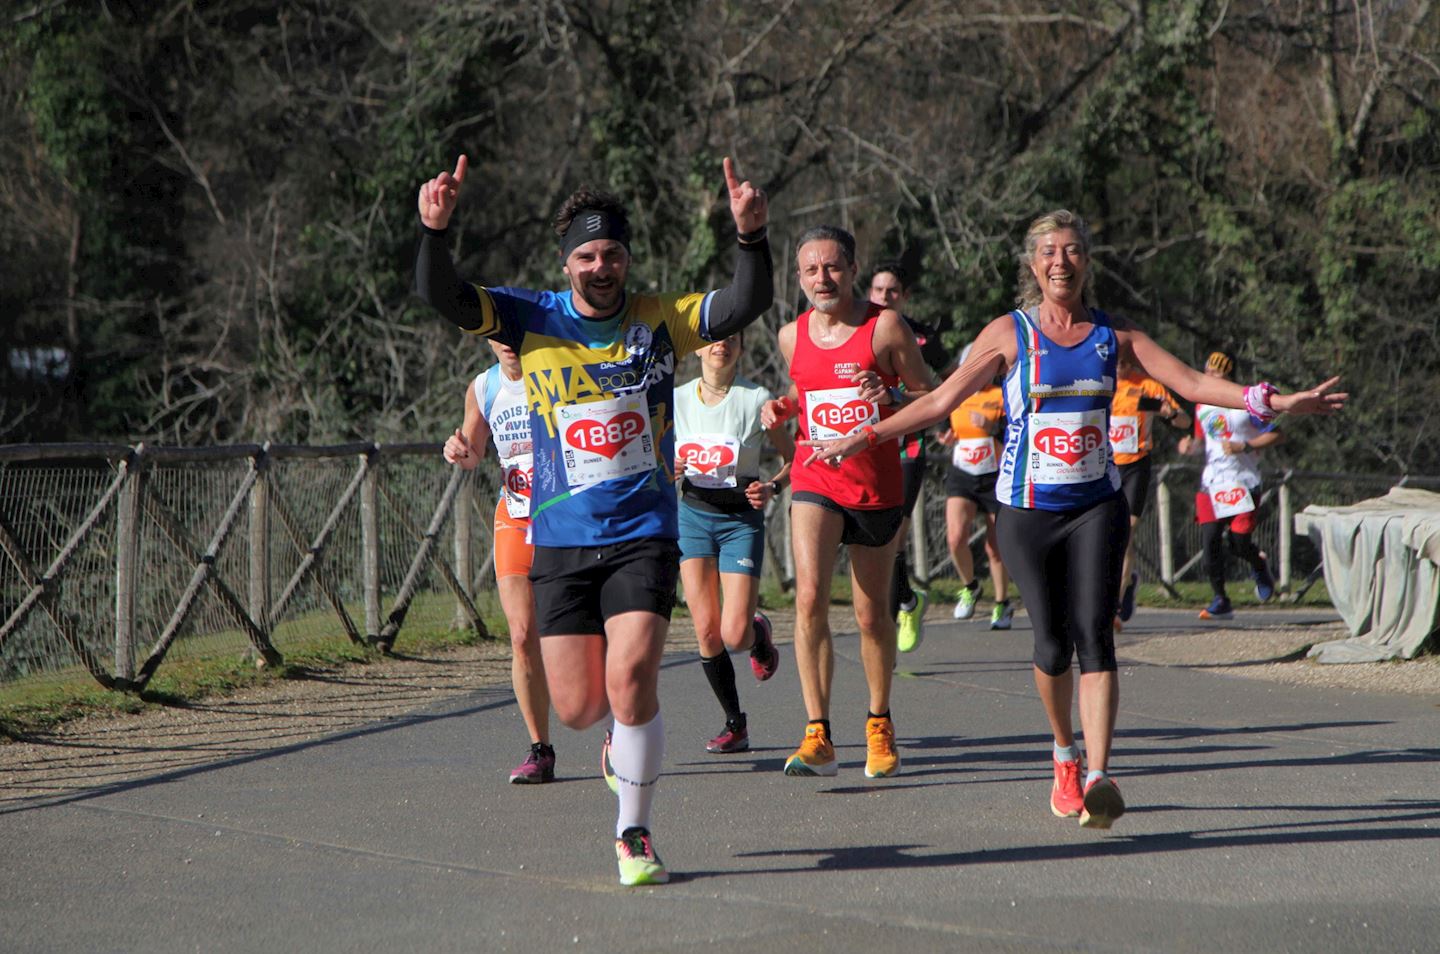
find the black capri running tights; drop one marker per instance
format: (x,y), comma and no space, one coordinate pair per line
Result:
(1067,565)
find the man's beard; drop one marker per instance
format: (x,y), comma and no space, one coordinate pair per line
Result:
(593,299)
(829,306)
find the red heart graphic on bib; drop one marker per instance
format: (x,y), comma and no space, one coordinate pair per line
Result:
(605,437)
(707,460)
(1068,446)
(843,418)
(1230,497)
(1121,433)
(517,482)
(974,455)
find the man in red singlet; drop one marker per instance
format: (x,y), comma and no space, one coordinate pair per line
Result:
(847,358)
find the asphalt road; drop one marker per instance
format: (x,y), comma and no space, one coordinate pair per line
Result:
(1262,817)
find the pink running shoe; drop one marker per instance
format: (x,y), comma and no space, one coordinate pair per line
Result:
(1065,798)
(538,767)
(735,738)
(764,657)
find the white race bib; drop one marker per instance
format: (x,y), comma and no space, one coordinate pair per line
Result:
(975,455)
(606,439)
(1125,435)
(518,471)
(710,460)
(1068,448)
(836,412)
(1231,501)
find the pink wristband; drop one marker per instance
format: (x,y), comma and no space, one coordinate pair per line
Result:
(1257,401)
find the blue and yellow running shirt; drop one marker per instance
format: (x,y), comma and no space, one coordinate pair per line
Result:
(1057,402)
(601,397)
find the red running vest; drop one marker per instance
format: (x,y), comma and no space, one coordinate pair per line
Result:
(830,407)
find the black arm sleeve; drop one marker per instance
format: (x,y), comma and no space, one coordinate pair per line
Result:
(747,296)
(438,284)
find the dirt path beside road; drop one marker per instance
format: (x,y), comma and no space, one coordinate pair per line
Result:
(95,753)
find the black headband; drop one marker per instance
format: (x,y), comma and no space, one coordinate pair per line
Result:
(591,224)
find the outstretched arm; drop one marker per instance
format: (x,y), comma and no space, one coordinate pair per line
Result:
(1205,389)
(752,289)
(992,353)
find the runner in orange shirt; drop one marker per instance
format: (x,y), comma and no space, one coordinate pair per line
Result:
(1138,398)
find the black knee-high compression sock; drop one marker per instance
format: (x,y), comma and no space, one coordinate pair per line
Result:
(721,673)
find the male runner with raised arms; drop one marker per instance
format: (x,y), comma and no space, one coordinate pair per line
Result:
(599,369)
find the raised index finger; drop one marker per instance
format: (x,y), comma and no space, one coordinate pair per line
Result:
(461,165)
(732,181)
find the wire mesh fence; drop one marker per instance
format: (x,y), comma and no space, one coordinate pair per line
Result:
(116,559)
(1167,538)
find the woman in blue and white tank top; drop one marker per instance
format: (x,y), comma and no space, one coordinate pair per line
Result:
(1057,402)
(1063,524)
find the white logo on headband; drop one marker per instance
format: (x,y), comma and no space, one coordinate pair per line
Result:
(593,222)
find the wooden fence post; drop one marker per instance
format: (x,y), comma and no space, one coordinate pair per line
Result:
(260,542)
(1162,524)
(464,554)
(370,550)
(127,559)
(920,562)
(1287,531)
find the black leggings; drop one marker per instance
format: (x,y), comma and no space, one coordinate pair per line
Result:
(1067,566)
(1212,541)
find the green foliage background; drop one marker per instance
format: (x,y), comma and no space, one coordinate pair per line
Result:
(207,215)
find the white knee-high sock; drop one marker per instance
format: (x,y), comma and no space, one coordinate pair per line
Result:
(636,752)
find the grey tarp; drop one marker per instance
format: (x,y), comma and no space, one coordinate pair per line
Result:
(1382,567)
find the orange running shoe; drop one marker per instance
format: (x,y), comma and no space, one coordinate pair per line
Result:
(816,756)
(881,759)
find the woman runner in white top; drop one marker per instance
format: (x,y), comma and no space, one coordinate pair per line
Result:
(718,440)
(1229,490)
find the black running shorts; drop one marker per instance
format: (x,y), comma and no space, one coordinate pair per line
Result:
(977,487)
(578,588)
(863,528)
(1135,485)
